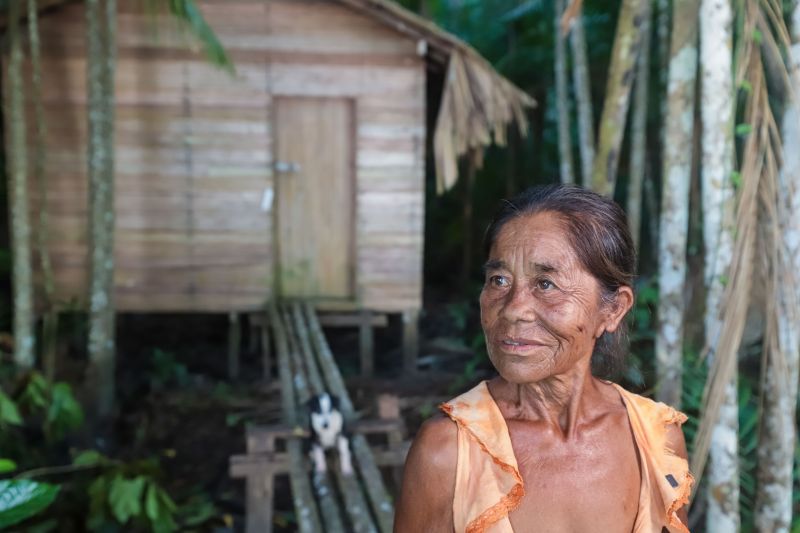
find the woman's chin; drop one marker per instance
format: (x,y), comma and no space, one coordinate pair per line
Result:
(522,369)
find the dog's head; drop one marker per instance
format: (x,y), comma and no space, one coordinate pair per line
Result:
(324,413)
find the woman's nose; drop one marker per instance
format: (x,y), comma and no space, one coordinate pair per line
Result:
(519,305)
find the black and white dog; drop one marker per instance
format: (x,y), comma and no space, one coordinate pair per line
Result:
(326,423)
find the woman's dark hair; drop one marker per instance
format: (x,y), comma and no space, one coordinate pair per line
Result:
(598,232)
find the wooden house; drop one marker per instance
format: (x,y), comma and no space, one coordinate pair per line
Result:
(302,175)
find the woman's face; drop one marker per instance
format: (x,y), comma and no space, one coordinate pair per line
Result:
(541,311)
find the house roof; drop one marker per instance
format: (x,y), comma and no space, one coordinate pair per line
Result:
(477,103)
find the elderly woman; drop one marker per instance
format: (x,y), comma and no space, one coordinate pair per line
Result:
(546,446)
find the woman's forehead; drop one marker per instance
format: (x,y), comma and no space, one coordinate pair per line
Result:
(540,233)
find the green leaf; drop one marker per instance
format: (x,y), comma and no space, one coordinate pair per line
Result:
(188,12)
(736,179)
(7,465)
(9,414)
(160,509)
(746,86)
(89,458)
(757,36)
(125,497)
(35,393)
(65,413)
(743,129)
(724,280)
(22,499)
(151,504)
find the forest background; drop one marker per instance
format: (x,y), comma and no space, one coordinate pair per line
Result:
(682,111)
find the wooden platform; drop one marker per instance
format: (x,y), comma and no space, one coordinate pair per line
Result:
(330,502)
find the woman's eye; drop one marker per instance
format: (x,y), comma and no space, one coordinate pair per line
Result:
(499,281)
(545,284)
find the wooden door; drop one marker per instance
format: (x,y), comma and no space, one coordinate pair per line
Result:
(315,197)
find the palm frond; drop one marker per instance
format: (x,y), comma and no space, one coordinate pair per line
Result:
(188,14)
(759,171)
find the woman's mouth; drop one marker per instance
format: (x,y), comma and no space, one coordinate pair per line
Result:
(518,346)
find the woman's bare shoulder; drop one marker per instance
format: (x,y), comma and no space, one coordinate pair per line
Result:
(426,497)
(435,445)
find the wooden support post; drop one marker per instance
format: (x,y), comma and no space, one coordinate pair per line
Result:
(366,344)
(260,486)
(410,340)
(253,336)
(266,351)
(234,345)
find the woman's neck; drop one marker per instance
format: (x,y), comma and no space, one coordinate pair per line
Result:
(560,401)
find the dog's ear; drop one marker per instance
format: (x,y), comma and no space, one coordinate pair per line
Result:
(313,404)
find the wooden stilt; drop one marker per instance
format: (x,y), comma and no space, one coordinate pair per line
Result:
(49,344)
(366,344)
(410,340)
(234,345)
(266,351)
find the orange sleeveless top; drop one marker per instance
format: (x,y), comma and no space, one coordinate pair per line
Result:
(489,485)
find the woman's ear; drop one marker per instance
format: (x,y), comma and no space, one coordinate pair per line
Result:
(623,301)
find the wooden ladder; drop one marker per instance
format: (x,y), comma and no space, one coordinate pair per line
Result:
(330,502)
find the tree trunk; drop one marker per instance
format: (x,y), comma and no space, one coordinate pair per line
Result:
(639,129)
(101,20)
(718,206)
(583,97)
(618,91)
(18,188)
(773,511)
(50,322)
(674,225)
(562,100)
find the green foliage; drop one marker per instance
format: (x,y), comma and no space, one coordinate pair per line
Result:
(189,15)
(166,370)
(22,499)
(7,465)
(9,414)
(127,493)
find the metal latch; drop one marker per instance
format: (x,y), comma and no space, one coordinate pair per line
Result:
(287,167)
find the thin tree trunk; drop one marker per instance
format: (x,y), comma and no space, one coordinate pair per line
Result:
(583,97)
(101,20)
(664,53)
(674,225)
(773,510)
(18,187)
(618,91)
(50,321)
(639,129)
(562,100)
(717,99)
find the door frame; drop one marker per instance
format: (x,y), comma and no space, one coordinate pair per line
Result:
(350,301)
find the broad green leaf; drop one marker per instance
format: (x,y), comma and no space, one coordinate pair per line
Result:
(151,504)
(743,129)
(7,465)
(9,413)
(22,499)
(35,393)
(125,497)
(65,413)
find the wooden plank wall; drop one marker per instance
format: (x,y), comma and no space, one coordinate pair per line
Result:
(194,145)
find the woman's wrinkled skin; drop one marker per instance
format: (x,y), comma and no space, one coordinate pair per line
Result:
(542,313)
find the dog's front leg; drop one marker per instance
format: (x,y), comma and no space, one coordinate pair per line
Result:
(318,455)
(344,455)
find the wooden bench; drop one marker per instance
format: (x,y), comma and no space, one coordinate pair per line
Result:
(330,502)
